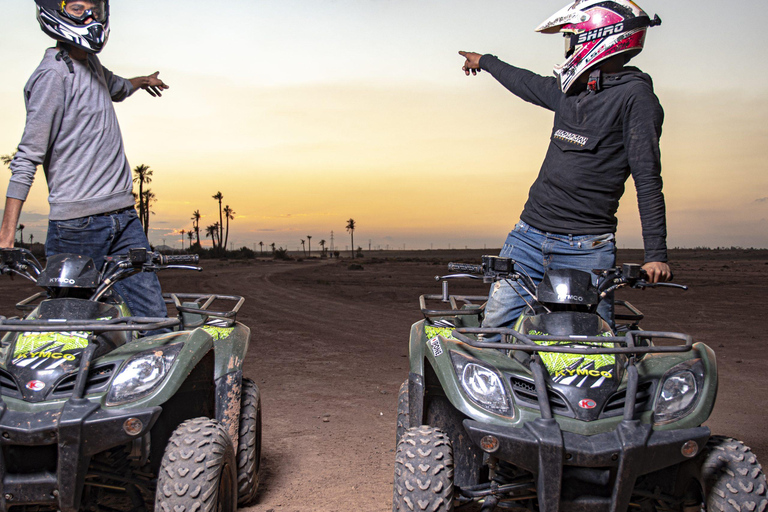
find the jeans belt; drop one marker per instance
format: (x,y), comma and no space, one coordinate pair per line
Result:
(113,212)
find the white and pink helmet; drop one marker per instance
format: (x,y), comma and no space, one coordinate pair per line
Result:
(596,30)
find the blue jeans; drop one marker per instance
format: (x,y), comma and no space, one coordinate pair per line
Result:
(535,252)
(98,236)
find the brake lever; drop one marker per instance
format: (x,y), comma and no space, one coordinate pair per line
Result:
(668,285)
(457,276)
(183,267)
(645,284)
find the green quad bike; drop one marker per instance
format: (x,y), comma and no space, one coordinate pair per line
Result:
(562,413)
(98,413)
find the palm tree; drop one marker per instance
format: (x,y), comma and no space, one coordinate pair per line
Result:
(182,239)
(309,244)
(149,199)
(142,174)
(212,231)
(229,213)
(7,159)
(261,247)
(218,234)
(219,197)
(196,224)
(20,229)
(322,247)
(273,247)
(190,235)
(351,231)
(303,249)
(31,239)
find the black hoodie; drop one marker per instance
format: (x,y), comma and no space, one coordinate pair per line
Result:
(598,140)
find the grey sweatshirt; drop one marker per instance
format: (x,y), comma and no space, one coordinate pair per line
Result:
(72,131)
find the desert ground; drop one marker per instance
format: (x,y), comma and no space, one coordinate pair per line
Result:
(329,351)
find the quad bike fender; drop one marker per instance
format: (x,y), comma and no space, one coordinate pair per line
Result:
(228,393)
(230,346)
(416,348)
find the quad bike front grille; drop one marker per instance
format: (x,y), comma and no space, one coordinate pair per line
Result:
(643,399)
(8,385)
(98,379)
(525,392)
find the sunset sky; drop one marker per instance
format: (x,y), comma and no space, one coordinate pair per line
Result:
(306,113)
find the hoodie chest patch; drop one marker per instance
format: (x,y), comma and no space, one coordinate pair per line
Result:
(573,138)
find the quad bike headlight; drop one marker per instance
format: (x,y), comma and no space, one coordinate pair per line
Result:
(679,392)
(141,374)
(482,384)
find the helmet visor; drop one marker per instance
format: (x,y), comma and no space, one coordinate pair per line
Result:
(571,41)
(85,11)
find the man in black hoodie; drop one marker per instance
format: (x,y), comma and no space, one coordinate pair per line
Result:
(607,127)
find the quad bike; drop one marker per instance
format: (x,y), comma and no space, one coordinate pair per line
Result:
(561,412)
(99,413)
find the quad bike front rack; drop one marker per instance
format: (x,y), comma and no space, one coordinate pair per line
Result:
(195,308)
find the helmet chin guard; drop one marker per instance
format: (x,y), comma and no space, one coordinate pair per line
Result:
(596,30)
(86,27)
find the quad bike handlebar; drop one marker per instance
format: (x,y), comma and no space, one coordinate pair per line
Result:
(22,262)
(496,268)
(629,274)
(179,259)
(116,267)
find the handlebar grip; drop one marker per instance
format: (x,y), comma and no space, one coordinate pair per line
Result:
(466,268)
(179,259)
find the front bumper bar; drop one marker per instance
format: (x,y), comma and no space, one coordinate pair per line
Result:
(81,429)
(633,449)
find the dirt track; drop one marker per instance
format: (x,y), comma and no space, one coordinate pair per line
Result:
(329,351)
(330,344)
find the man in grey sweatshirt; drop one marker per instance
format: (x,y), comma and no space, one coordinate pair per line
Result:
(72,131)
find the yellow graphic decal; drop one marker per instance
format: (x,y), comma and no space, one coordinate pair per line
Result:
(58,341)
(568,365)
(432,331)
(218,333)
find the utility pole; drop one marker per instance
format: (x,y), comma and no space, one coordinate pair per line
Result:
(331,242)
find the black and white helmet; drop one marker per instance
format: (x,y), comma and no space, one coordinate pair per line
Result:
(80,23)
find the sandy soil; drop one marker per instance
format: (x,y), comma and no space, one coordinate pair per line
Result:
(329,351)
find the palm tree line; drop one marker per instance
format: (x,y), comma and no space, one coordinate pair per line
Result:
(218,232)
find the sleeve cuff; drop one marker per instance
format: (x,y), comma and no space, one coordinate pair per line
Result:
(17,191)
(487,60)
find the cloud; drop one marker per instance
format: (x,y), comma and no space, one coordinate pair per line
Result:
(761,200)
